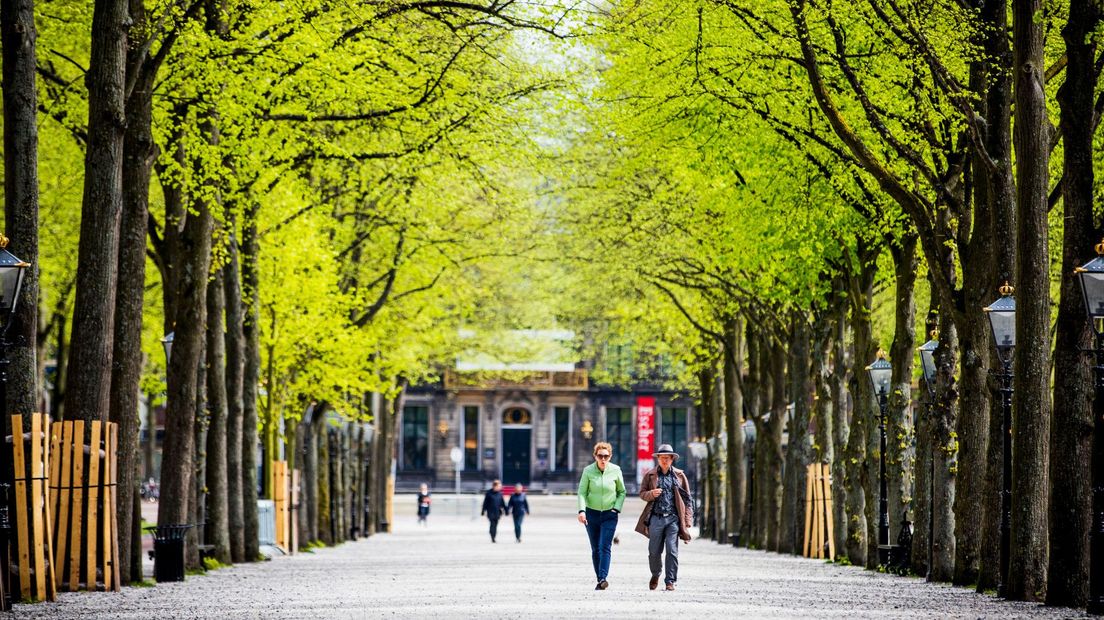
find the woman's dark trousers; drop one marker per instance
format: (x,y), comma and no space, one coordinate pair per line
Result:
(601,526)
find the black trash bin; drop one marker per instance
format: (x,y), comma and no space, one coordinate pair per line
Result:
(168,552)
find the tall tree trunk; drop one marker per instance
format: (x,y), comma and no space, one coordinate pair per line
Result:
(924,474)
(749,532)
(736,493)
(706,385)
(322,526)
(235,349)
(372,484)
(17,31)
(251,371)
(972,423)
(841,427)
(387,454)
(138,152)
(997,187)
(823,450)
(775,426)
(88,388)
(899,428)
(921,538)
(797,450)
(862,471)
(57,397)
(762,443)
(1071,435)
(1031,401)
(717,457)
(197,506)
(188,313)
(218,515)
(944,449)
(307,463)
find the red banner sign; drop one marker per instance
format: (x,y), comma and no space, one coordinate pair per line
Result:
(645,435)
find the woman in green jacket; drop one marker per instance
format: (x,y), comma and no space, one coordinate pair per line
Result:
(601,496)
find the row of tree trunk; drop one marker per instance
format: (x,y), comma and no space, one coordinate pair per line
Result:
(986,222)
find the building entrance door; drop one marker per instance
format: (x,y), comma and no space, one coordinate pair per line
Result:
(516,450)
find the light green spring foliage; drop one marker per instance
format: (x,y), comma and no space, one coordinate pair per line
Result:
(712,172)
(681,197)
(382,147)
(466,170)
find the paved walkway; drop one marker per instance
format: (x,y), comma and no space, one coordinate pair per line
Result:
(450,569)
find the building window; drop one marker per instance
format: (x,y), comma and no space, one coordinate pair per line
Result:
(673,428)
(471,438)
(619,433)
(415,437)
(516,415)
(561,439)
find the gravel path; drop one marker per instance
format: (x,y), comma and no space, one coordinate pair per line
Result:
(451,569)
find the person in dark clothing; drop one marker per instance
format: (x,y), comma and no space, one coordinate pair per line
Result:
(518,507)
(494,506)
(423,504)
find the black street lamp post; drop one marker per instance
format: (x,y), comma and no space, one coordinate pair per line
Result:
(1091,275)
(12,271)
(881,373)
(1002,320)
(927,363)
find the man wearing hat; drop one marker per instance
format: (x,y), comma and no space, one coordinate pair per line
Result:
(667,516)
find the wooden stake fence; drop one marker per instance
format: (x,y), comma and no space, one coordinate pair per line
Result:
(34,535)
(285,496)
(819,524)
(82,481)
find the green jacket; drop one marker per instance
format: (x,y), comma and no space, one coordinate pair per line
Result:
(601,490)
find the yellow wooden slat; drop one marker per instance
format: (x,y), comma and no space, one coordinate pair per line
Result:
(106,511)
(51,494)
(77,517)
(19,461)
(93,514)
(293,513)
(818,513)
(830,530)
(809,479)
(114,533)
(38,504)
(65,432)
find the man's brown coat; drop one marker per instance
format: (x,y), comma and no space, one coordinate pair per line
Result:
(682,506)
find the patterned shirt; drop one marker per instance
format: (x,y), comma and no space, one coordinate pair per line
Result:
(665,503)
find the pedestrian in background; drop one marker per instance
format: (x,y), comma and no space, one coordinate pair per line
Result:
(518,507)
(423,503)
(667,514)
(601,496)
(494,506)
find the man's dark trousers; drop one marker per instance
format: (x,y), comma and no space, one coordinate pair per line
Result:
(663,532)
(494,529)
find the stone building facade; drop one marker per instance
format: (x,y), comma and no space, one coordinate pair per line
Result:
(535,427)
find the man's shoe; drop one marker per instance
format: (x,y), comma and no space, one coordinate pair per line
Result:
(602,585)
(670,586)
(654,583)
